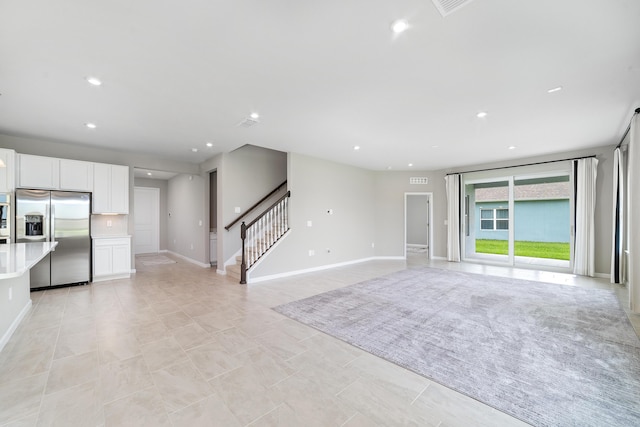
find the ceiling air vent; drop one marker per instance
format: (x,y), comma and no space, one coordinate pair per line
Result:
(423,180)
(248,122)
(445,7)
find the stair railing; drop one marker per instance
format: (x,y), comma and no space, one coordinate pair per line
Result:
(255,205)
(262,233)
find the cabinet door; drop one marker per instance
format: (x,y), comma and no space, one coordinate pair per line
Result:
(7,173)
(102,260)
(121,259)
(120,189)
(38,172)
(101,188)
(76,175)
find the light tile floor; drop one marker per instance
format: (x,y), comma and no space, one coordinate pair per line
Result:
(178,345)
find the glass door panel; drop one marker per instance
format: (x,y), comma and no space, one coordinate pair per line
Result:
(542,221)
(487,221)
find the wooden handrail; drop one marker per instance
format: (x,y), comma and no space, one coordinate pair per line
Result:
(287,194)
(235,221)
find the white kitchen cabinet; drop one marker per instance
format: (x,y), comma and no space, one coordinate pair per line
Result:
(38,172)
(7,173)
(76,175)
(111,258)
(110,188)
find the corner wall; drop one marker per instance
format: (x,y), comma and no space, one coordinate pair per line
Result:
(345,235)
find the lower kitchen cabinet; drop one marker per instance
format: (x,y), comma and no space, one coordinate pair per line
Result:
(111,258)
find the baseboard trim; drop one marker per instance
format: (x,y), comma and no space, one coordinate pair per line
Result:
(441,258)
(251,280)
(191,260)
(14,325)
(111,277)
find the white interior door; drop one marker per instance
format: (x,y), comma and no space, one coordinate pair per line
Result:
(146,220)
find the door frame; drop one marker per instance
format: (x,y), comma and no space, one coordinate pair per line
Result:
(429,195)
(156,216)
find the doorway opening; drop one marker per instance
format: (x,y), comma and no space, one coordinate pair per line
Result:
(418,211)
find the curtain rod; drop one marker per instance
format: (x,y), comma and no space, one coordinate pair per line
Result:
(626,132)
(526,164)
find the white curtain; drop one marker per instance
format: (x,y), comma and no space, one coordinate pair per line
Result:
(633,212)
(453,217)
(617,243)
(585,172)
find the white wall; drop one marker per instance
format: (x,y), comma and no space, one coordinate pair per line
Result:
(246,175)
(390,188)
(187,221)
(317,186)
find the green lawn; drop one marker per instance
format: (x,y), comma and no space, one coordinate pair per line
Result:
(551,250)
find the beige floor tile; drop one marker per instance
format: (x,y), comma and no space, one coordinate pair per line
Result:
(332,348)
(71,371)
(113,347)
(234,340)
(321,370)
(281,344)
(141,409)
(150,332)
(310,404)
(245,398)
(196,309)
(359,420)
(21,397)
(119,379)
(267,369)
(190,336)
(176,320)
(214,322)
(209,412)
(181,385)
(25,362)
(212,360)
(77,406)
(75,344)
(165,307)
(162,353)
(383,406)
(28,421)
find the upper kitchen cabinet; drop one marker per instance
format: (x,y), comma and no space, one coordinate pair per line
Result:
(76,175)
(110,188)
(38,172)
(7,172)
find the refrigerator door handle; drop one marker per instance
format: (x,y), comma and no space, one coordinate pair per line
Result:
(51,237)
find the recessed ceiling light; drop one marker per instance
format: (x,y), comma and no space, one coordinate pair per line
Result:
(512,147)
(555,89)
(481,114)
(195,150)
(91,125)
(149,173)
(94,81)
(356,147)
(399,26)
(410,165)
(209,144)
(255,116)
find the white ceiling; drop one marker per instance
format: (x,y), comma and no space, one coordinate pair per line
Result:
(324,76)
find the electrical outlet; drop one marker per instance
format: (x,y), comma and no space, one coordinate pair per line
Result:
(10,294)
(200,223)
(373,245)
(109,223)
(312,252)
(192,246)
(309,223)
(237,209)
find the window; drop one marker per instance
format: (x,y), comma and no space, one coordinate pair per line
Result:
(494,219)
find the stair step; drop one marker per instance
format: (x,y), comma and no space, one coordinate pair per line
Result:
(233,271)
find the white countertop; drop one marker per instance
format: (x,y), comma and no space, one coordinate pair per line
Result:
(17,258)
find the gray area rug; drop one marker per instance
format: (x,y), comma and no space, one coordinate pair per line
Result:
(550,355)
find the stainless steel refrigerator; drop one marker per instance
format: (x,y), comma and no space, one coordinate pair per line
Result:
(63,217)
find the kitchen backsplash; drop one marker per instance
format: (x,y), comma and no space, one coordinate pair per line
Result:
(109,225)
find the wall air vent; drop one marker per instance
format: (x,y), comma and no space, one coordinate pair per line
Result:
(248,122)
(445,7)
(422,180)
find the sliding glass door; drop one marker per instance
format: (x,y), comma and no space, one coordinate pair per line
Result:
(519,220)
